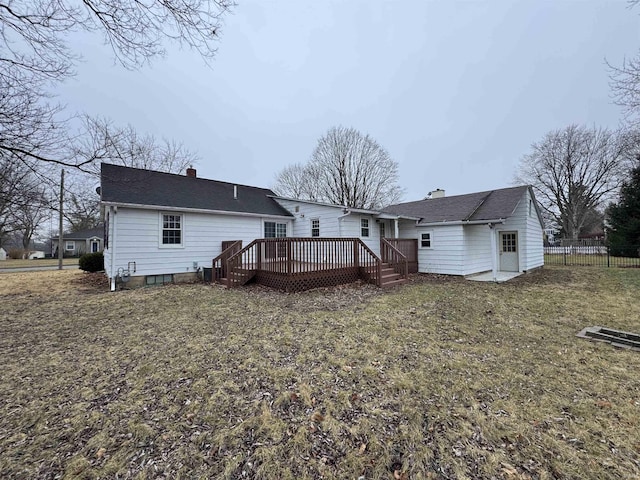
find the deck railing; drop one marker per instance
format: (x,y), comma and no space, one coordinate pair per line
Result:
(394,257)
(292,256)
(219,264)
(242,265)
(368,262)
(408,247)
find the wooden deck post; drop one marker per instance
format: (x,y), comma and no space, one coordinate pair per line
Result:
(259,254)
(356,260)
(289,257)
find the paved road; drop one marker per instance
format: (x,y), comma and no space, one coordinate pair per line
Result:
(36,269)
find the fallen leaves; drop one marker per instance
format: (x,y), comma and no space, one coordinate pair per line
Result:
(317,417)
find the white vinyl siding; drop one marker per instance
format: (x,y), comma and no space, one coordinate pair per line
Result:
(137,240)
(351,226)
(446,254)
(333,222)
(531,239)
(325,214)
(477,241)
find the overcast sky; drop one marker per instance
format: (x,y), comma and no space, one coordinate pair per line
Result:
(456,91)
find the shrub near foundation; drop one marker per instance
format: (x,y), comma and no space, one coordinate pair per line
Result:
(91,262)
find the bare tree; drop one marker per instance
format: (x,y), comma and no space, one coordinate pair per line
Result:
(574,172)
(34,54)
(346,168)
(23,204)
(102,141)
(624,82)
(625,87)
(29,214)
(99,140)
(297,181)
(81,202)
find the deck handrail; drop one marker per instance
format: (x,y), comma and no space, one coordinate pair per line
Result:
(371,265)
(241,262)
(219,264)
(409,248)
(391,255)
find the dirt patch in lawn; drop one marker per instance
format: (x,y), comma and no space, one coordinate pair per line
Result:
(440,378)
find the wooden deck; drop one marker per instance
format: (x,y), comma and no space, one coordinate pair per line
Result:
(297,264)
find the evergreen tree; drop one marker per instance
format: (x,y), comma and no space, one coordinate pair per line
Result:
(624,219)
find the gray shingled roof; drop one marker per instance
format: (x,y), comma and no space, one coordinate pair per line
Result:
(84,234)
(125,185)
(490,205)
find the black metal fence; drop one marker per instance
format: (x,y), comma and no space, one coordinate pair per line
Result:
(593,256)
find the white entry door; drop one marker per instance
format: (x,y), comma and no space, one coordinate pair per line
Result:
(509,251)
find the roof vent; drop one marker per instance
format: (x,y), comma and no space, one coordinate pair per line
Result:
(191,172)
(437,193)
(235,192)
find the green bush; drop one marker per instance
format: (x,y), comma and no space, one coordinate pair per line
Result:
(91,262)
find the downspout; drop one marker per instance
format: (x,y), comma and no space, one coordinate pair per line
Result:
(494,252)
(340,222)
(112,274)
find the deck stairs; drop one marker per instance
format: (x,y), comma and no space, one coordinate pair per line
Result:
(389,277)
(238,277)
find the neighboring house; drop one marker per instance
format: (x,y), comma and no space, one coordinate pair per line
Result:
(81,242)
(162,227)
(3,254)
(497,230)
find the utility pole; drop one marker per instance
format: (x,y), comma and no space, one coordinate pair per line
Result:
(60,225)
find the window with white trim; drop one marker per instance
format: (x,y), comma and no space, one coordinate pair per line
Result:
(425,240)
(364,227)
(69,246)
(315,227)
(171,230)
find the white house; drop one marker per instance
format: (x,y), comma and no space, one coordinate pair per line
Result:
(162,227)
(317,219)
(496,230)
(3,254)
(166,227)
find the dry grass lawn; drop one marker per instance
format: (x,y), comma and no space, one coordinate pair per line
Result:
(37,262)
(441,378)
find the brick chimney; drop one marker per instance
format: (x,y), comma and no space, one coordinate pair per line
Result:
(437,193)
(191,172)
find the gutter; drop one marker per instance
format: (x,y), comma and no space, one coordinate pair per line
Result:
(462,222)
(340,221)
(194,210)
